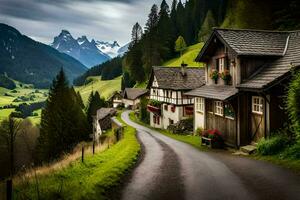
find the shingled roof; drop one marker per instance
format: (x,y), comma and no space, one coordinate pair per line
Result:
(214,92)
(246,42)
(104,112)
(134,93)
(173,78)
(283,46)
(276,70)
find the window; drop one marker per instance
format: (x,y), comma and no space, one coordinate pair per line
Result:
(166,107)
(199,104)
(156,119)
(219,108)
(257,105)
(228,111)
(220,64)
(171,121)
(209,104)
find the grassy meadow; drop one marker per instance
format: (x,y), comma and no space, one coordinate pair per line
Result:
(105,88)
(93,178)
(189,56)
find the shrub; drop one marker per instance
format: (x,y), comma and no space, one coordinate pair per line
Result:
(199,131)
(293,103)
(215,136)
(273,145)
(293,151)
(155,103)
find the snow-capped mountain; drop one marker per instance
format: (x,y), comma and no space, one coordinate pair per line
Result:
(90,53)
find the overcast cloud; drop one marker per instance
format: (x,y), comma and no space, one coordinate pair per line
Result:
(105,20)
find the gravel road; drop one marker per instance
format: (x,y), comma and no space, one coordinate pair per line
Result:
(174,170)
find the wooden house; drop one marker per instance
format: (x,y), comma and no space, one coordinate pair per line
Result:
(102,121)
(168,104)
(256,65)
(116,99)
(132,97)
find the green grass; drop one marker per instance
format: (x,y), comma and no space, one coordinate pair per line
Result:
(105,88)
(91,179)
(189,139)
(4,113)
(36,119)
(189,56)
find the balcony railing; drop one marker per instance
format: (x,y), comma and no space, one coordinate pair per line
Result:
(176,101)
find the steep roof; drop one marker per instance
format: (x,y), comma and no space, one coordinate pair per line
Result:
(104,112)
(214,92)
(134,93)
(173,78)
(283,46)
(276,70)
(246,42)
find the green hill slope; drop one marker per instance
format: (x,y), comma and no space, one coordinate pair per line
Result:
(188,57)
(105,88)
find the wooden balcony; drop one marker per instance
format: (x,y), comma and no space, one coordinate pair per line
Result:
(153,109)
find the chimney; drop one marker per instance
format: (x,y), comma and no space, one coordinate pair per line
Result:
(183,68)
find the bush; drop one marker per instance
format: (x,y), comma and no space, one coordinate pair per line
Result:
(273,145)
(293,103)
(293,151)
(183,127)
(215,136)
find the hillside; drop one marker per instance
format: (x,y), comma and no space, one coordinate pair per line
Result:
(28,61)
(105,88)
(188,57)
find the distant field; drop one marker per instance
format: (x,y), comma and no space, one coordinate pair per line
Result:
(4,113)
(188,57)
(105,88)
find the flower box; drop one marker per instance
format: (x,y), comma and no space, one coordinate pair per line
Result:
(212,138)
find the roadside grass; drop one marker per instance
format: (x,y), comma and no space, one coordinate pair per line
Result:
(288,163)
(89,180)
(105,88)
(189,139)
(189,56)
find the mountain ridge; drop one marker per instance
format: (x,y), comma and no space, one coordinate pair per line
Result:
(32,62)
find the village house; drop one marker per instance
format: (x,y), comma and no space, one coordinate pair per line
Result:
(132,97)
(116,99)
(168,104)
(102,121)
(246,73)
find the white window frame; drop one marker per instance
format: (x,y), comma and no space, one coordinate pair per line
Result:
(199,104)
(221,63)
(257,105)
(219,108)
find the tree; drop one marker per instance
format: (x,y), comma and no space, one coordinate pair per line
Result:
(9,130)
(144,114)
(180,45)
(133,59)
(206,27)
(95,103)
(63,122)
(79,99)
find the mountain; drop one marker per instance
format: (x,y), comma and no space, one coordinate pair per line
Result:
(81,49)
(123,49)
(28,61)
(110,49)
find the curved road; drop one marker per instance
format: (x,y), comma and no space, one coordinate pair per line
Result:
(174,170)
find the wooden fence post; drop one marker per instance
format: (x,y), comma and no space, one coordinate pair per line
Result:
(82,154)
(9,189)
(93,147)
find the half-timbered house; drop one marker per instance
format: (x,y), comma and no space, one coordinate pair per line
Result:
(246,72)
(167,85)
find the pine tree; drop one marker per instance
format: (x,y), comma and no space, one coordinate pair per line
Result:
(206,27)
(95,103)
(133,59)
(63,123)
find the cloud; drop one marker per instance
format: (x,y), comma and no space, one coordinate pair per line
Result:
(99,19)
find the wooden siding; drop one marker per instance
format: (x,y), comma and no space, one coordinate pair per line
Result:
(227,126)
(250,65)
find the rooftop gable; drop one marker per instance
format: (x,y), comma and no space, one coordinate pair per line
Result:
(134,93)
(173,78)
(249,42)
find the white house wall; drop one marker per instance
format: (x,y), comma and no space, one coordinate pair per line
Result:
(160,125)
(199,118)
(175,116)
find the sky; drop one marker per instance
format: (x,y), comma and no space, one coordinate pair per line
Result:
(105,20)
